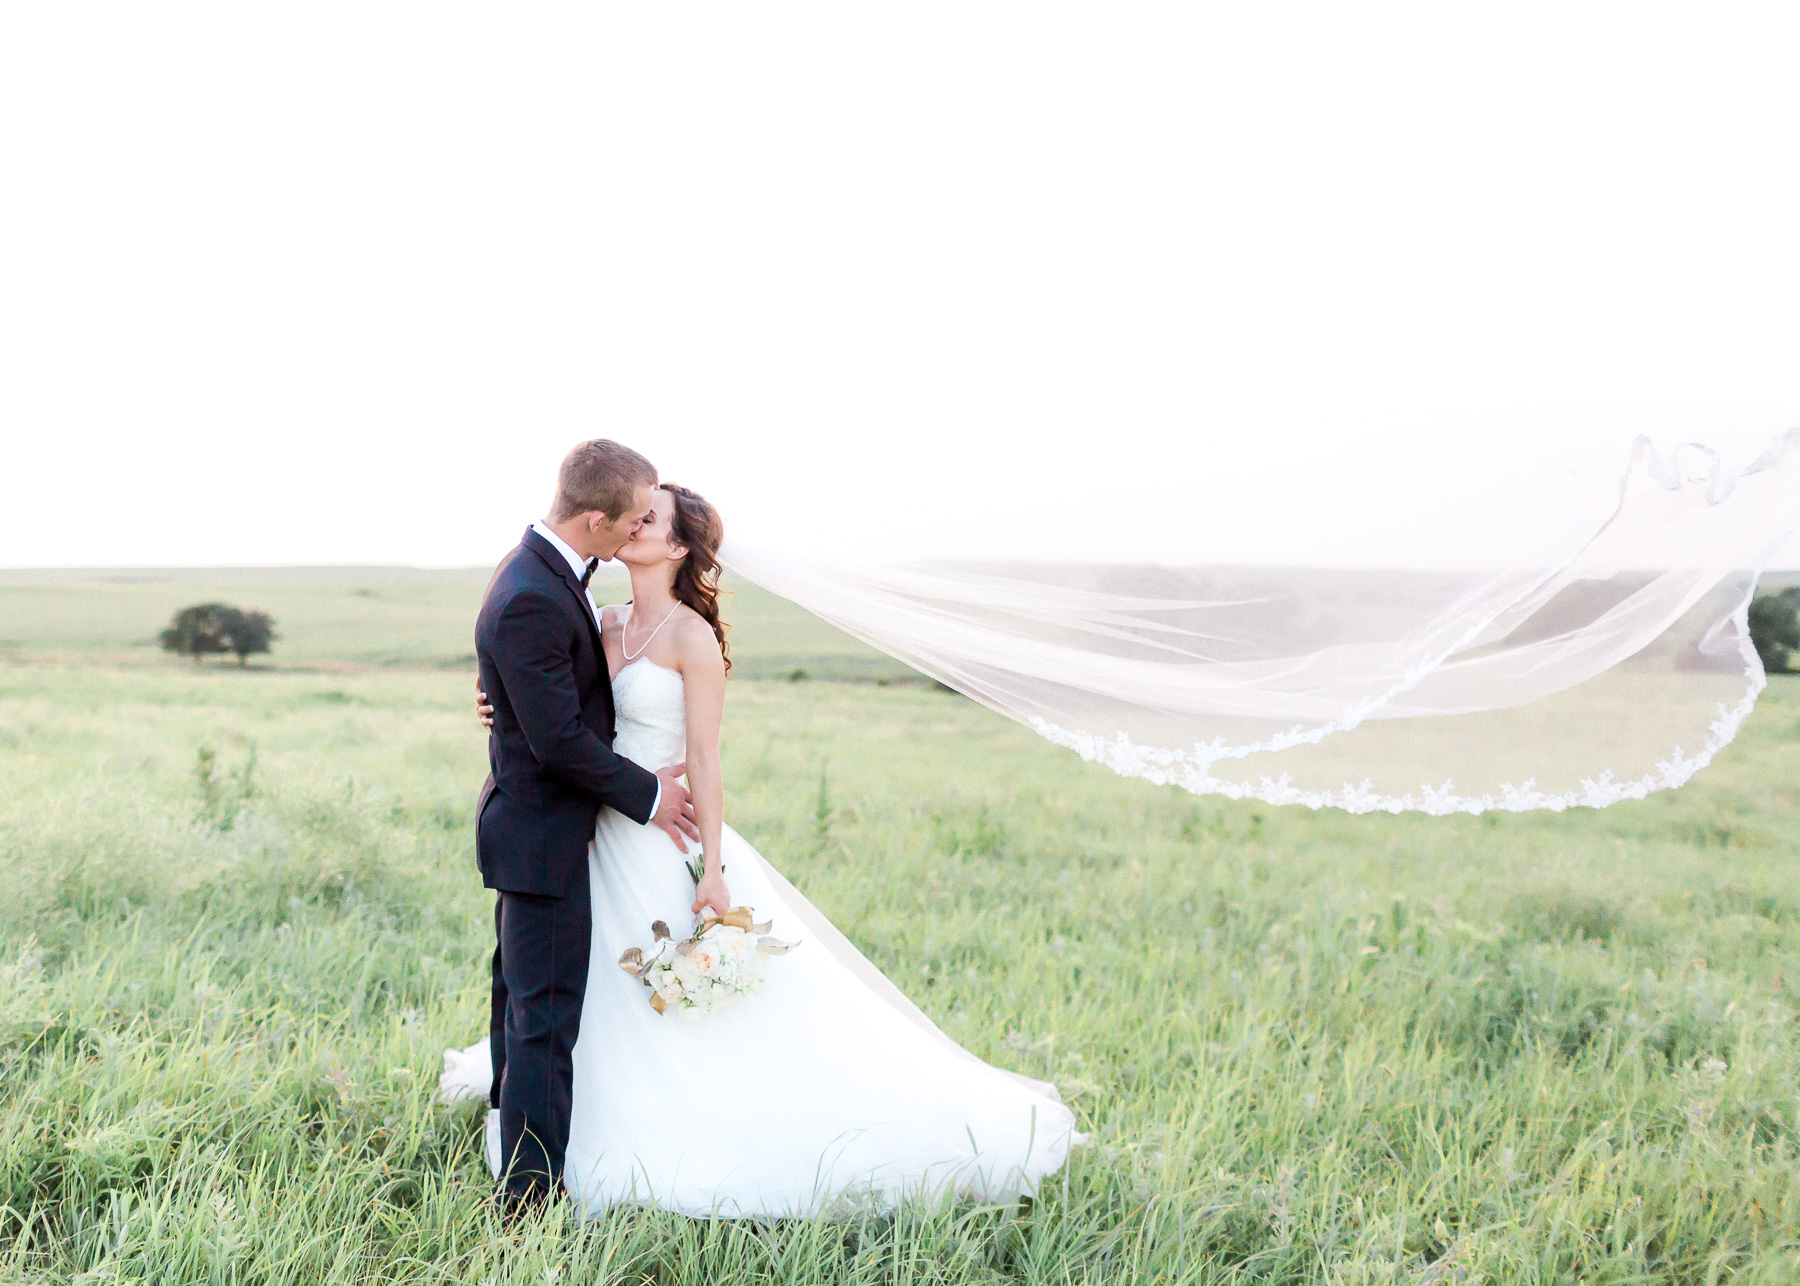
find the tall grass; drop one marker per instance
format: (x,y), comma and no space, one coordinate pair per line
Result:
(239,921)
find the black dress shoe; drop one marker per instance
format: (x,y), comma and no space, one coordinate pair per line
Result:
(514,1206)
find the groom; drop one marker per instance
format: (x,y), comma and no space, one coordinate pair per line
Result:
(552,766)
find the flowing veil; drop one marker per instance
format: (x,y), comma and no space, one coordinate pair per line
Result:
(1616,665)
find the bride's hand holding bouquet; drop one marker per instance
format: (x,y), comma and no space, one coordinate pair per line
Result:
(723,959)
(710,894)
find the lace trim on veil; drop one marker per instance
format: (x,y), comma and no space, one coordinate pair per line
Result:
(1192,770)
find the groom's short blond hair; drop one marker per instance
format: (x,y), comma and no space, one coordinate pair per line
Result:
(599,475)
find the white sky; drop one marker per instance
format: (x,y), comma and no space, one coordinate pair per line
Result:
(341,282)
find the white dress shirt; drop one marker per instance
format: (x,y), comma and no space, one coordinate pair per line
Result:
(578,565)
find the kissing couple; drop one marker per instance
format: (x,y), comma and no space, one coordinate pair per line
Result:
(829,1087)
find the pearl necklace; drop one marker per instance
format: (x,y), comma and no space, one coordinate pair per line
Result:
(626,629)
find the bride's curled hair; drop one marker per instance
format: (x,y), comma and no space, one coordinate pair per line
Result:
(696,525)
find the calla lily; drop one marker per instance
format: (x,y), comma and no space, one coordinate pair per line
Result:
(775,946)
(659,930)
(631,960)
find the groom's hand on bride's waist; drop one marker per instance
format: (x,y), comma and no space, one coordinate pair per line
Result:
(675,811)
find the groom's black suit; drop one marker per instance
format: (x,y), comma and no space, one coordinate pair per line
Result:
(552,766)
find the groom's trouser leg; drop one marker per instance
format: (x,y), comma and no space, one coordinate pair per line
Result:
(543,953)
(497,1012)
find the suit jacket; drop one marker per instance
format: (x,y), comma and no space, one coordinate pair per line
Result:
(550,757)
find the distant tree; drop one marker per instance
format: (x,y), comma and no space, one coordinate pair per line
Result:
(218,627)
(249,632)
(1775,628)
(198,630)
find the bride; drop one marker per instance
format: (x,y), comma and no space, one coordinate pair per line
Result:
(828,1087)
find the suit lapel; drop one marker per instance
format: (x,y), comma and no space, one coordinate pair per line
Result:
(560,565)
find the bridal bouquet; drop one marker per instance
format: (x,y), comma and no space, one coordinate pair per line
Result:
(723,959)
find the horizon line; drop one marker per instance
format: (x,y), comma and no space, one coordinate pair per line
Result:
(151,571)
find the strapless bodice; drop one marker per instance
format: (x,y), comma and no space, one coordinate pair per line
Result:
(651,707)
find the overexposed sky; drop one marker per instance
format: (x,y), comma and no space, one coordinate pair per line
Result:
(341,282)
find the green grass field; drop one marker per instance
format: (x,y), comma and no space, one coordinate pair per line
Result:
(239,921)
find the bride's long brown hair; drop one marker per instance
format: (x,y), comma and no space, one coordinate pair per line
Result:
(696,526)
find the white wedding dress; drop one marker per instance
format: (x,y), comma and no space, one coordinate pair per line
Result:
(828,1089)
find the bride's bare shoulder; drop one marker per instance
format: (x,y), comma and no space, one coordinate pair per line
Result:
(695,641)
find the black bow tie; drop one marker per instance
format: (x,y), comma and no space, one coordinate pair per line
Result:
(588,575)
